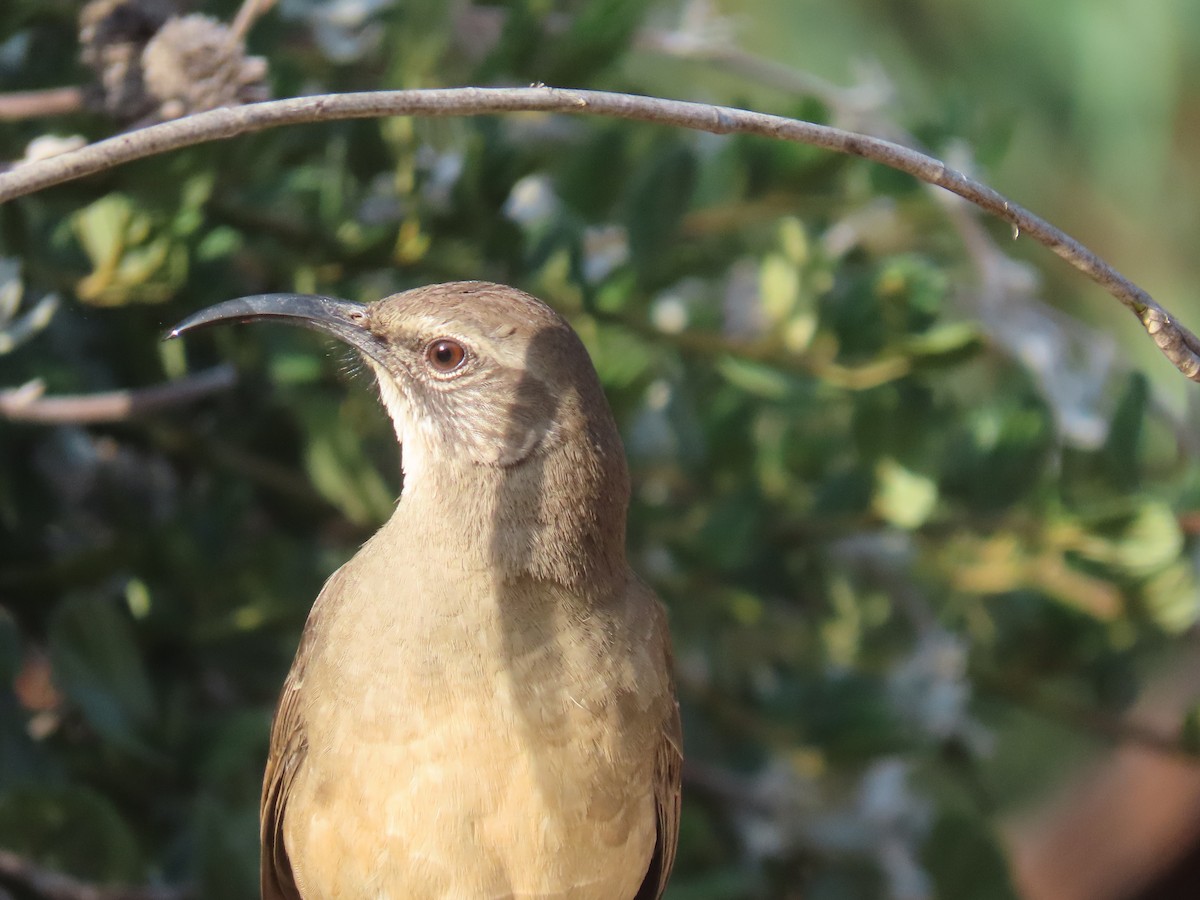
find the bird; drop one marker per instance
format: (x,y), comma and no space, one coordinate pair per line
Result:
(482,704)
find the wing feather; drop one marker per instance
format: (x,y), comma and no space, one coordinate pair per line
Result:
(668,777)
(289,747)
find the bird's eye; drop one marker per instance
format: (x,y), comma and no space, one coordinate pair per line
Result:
(445,355)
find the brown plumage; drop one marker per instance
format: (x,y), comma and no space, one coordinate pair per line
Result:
(482,703)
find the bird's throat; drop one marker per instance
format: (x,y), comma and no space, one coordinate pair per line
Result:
(514,522)
(558,514)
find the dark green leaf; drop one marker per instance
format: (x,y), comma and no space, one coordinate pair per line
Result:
(98,665)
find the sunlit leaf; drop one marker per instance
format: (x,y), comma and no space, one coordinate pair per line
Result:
(903,498)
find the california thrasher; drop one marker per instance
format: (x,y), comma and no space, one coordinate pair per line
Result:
(482,704)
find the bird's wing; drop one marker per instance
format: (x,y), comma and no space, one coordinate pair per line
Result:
(668,770)
(289,745)
(668,774)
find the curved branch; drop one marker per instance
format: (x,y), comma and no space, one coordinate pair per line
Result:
(1176,342)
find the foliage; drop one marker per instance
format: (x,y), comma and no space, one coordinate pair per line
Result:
(886,551)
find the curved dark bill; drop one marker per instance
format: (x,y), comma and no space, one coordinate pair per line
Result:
(341,318)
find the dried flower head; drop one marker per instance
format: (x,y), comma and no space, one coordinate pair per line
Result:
(112,35)
(152,64)
(196,63)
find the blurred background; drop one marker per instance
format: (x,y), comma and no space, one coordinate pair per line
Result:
(922,501)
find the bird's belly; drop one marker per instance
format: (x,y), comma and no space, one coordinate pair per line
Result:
(474,794)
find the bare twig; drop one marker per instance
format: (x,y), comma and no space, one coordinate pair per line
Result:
(248,13)
(1176,342)
(18,872)
(26,404)
(21,105)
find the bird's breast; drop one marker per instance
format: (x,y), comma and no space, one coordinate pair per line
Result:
(502,748)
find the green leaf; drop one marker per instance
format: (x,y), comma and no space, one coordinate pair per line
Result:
(133,258)
(1153,539)
(98,665)
(965,859)
(912,289)
(598,34)
(658,197)
(728,883)
(902,497)
(226,849)
(294,367)
(241,736)
(339,468)
(1189,732)
(951,342)
(757,379)
(594,172)
(73,829)
(218,243)
(1121,451)
(995,456)
(101,229)
(10,647)
(1171,596)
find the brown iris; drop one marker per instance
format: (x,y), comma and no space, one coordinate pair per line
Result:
(445,355)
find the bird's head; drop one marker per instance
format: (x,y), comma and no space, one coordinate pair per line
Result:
(487,388)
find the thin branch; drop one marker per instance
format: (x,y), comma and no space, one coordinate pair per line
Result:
(1176,342)
(20,105)
(1087,719)
(18,872)
(248,13)
(26,404)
